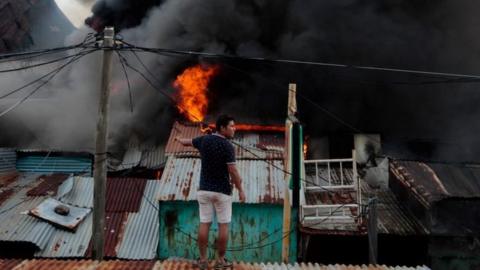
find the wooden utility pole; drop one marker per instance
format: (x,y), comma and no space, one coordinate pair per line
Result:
(372,231)
(287,210)
(100,169)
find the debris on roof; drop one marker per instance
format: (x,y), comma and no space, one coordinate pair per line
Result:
(60,214)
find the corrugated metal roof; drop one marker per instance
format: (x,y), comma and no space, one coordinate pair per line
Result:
(262,181)
(49,164)
(6,179)
(48,186)
(124,194)
(393,217)
(114,227)
(432,182)
(8,159)
(63,244)
(142,156)
(81,194)
(253,145)
(141,231)
(15,224)
(49,264)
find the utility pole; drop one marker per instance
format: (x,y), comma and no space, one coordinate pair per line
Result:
(372,231)
(100,169)
(291,164)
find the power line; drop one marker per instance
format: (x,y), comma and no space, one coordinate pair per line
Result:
(52,74)
(121,59)
(290,61)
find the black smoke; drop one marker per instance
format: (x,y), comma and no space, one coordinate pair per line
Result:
(411,112)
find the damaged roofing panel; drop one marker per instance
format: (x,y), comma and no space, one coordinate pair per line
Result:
(81,194)
(141,231)
(247,144)
(153,158)
(65,244)
(124,194)
(262,181)
(8,159)
(16,225)
(69,217)
(431,182)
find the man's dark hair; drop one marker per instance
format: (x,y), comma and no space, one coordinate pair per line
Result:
(223,120)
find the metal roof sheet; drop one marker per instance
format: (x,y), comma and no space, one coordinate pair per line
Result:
(432,182)
(262,181)
(124,194)
(48,186)
(6,179)
(8,159)
(393,216)
(140,239)
(15,224)
(49,164)
(46,210)
(247,144)
(64,244)
(81,194)
(143,156)
(50,264)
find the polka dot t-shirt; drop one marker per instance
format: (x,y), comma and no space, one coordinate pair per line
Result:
(216,152)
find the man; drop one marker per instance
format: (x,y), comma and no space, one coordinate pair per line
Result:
(215,192)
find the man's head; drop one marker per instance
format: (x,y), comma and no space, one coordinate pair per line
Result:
(226,126)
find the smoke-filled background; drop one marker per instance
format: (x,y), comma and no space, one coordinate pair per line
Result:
(430,117)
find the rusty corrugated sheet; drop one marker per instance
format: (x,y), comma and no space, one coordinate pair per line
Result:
(64,244)
(124,194)
(184,131)
(126,265)
(48,264)
(7,179)
(431,182)
(9,264)
(48,186)
(140,239)
(263,182)
(114,227)
(247,144)
(14,225)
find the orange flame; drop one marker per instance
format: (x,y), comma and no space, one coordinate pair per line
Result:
(192,91)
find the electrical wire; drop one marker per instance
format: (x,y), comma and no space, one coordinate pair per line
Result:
(290,61)
(52,74)
(121,59)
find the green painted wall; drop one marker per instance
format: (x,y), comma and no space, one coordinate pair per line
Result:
(253,229)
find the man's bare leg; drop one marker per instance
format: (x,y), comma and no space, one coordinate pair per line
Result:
(222,240)
(203,240)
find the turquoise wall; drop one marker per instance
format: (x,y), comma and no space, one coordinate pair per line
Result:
(255,232)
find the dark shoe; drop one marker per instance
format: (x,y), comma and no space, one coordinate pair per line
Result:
(202,265)
(223,264)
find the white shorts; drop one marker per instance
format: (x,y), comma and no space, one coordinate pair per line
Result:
(208,201)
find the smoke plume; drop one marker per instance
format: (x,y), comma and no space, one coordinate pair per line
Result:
(427,115)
